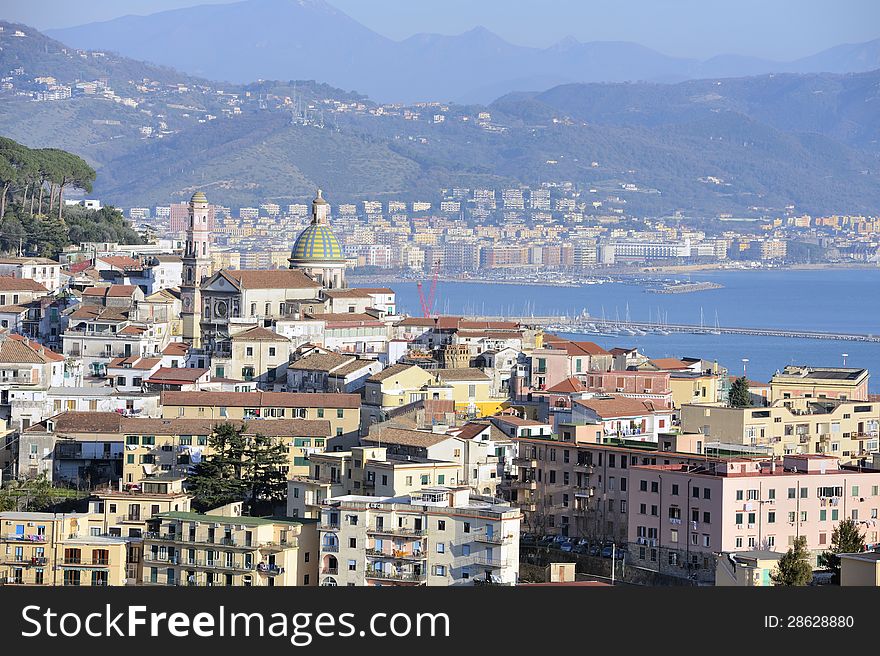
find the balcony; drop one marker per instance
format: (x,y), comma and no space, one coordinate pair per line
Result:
(330,548)
(404,577)
(397,554)
(328,527)
(675,520)
(525,462)
(289,543)
(270,570)
(583,467)
(396,530)
(493,539)
(76,562)
(524,485)
(26,562)
(332,571)
(483,561)
(39,539)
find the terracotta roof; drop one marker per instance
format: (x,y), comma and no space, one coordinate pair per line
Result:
(488,325)
(15,349)
(426,322)
(579,348)
(81,422)
(261,399)
(489,334)
(352,292)
(131,329)
(92,313)
(270,278)
(121,261)
(376,290)
(320,362)
(465,373)
(622,351)
(176,348)
(134,362)
(111,291)
(393,370)
(345,318)
(669,363)
(470,430)
(570,385)
(618,406)
(82,265)
(518,421)
(115,423)
(13,309)
(404,437)
(260,334)
(10,284)
(355,365)
(176,375)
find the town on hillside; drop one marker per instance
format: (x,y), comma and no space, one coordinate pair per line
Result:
(171,416)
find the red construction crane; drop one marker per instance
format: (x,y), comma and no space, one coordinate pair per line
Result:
(428,303)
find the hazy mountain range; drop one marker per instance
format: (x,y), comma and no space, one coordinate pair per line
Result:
(751,145)
(310,39)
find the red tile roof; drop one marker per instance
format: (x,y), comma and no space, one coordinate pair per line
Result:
(261,399)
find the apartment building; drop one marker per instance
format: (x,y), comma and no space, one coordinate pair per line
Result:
(222,548)
(27,371)
(560,359)
(819,382)
(123,512)
(622,417)
(366,471)
(320,371)
(39,269)
(844,429)
(436,536)
(255,354)
(58,549)
(341,410)
(571,484)
(681,515)
(480,466)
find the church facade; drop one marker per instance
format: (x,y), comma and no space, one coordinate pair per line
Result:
(229,301)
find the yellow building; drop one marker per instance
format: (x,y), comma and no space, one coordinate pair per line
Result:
(471,391)
(256,354)
(819,382)
(861,569)
(57,549)
(221,548)
(688,387)
(845,429)
(366,470)
(746,568)
(341,410)
(125,511)
(396,385)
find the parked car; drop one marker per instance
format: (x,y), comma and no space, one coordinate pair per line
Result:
(528,540)
(581,549)
(566,547)
(560,539)
(546,541)
(594,550)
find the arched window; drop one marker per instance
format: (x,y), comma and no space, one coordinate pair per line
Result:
(330,582)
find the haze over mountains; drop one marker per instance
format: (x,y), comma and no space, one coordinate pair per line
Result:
(753,146)
(310,39)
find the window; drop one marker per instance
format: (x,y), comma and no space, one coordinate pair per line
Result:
(439,570)
(352,565)
(792,493)
(441,547)
(674,489)
(467,527)
(695,493)
(441,524)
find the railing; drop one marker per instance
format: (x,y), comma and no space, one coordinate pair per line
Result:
(330,548)
(525,462)
(23,538)
(491,562)
(524,485)
(396,530)
(330,570)
(270,570)
(179,538)
(397,554)
(78,562)
(27,562)
(395,576)
(328,527)
(493,539)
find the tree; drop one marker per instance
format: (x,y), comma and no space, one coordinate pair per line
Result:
(846,538)
(794,568)
(241,468)
(740,397)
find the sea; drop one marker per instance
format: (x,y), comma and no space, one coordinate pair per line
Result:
(829,300)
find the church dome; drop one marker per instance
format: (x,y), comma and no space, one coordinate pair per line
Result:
(316,243)
(199,197)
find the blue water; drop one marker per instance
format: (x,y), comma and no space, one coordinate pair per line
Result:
(841,300)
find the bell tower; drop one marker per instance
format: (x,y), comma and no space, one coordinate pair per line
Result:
(196,267)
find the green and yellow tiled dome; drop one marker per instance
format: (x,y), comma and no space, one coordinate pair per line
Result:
(315,244)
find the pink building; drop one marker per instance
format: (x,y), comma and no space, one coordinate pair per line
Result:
(560,359)
(681,516)
(653,385)
(623,418)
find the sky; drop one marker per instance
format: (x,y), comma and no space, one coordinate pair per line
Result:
(774,29)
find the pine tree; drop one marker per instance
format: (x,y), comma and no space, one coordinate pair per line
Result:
(846,538)
(794,568)
(740,397)
(241,468)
